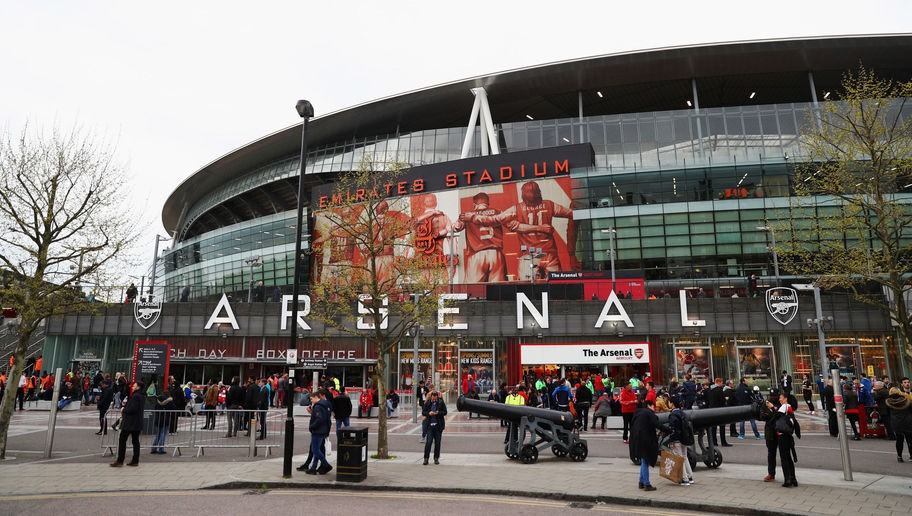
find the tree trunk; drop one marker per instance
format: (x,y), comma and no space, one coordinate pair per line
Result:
(9,396)
(382,441)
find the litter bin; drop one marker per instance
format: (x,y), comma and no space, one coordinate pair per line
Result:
(351,465)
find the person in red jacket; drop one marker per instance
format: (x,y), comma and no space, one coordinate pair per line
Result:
(628,407)
(651,391)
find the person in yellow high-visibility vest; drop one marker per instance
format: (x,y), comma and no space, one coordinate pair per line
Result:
(514,398)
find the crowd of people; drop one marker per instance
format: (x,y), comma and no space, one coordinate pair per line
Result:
(636,400)
(639,400)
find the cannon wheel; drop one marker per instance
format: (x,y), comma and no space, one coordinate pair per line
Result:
(528,454)
(714,460)
(508,454)
(558,450)
(579,451)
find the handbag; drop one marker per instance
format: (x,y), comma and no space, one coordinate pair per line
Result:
(784,425)
(671,466)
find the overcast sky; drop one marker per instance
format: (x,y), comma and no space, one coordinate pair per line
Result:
(177,84)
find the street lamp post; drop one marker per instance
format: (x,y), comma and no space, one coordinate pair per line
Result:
(819,321)
(415,364)
(451,267)
(306,111)
(611,232)
(772,233)
(158,238)
(253,261)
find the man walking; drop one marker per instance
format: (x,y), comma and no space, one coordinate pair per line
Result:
(435,411)
(320,422)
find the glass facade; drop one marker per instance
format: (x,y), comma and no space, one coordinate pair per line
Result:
(684,191)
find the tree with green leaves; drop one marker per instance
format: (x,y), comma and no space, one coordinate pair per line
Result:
(64,225)
(850,221)
(376,265)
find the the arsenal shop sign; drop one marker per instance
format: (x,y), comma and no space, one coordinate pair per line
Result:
(616,353)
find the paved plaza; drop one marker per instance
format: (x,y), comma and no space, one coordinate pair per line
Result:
(733,488)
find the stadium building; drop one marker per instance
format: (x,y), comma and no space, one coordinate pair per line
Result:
(664,169)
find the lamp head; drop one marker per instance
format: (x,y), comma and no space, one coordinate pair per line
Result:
(305,109)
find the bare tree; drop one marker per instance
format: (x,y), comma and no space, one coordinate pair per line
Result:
(854,187)
(64,222)
(371,253)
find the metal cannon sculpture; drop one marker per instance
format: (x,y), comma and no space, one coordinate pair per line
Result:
(701,420)
(535,429)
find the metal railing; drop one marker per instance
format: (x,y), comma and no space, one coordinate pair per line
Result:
(176,430)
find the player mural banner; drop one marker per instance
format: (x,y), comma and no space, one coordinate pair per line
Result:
(695,361)
(406,363)
(844,357)
(756,362)
(477,370)
(505,232)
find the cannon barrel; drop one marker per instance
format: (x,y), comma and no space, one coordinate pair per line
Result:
(707,417)
(513,413)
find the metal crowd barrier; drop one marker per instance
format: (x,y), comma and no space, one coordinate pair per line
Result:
(191,431)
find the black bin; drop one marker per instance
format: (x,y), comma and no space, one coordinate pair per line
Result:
(351,464)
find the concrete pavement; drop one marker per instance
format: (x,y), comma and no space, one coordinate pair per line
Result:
(733,489)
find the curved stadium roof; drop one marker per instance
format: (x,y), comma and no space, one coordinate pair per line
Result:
(640,81)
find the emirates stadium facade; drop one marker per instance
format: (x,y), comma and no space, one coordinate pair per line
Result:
(664,169)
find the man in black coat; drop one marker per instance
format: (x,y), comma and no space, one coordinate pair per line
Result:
(251,396)
(829,404)
(262,405)
(341,409)
(786,383)
(435,412)
(716,398)
(104,403)
(768,416)
(131,425)
(234,400)
(644,444)
(744,396)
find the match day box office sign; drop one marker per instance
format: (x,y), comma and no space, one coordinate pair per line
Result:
(275,349)
(611,354)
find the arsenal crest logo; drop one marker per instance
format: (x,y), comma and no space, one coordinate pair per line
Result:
(782,304)
(147,312)
(638,352)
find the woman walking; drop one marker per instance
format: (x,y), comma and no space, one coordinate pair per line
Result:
(901,419)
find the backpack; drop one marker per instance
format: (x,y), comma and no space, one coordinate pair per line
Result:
(686,432)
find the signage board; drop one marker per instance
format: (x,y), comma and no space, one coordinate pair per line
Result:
(151,359)
(313,363)
(616,353)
